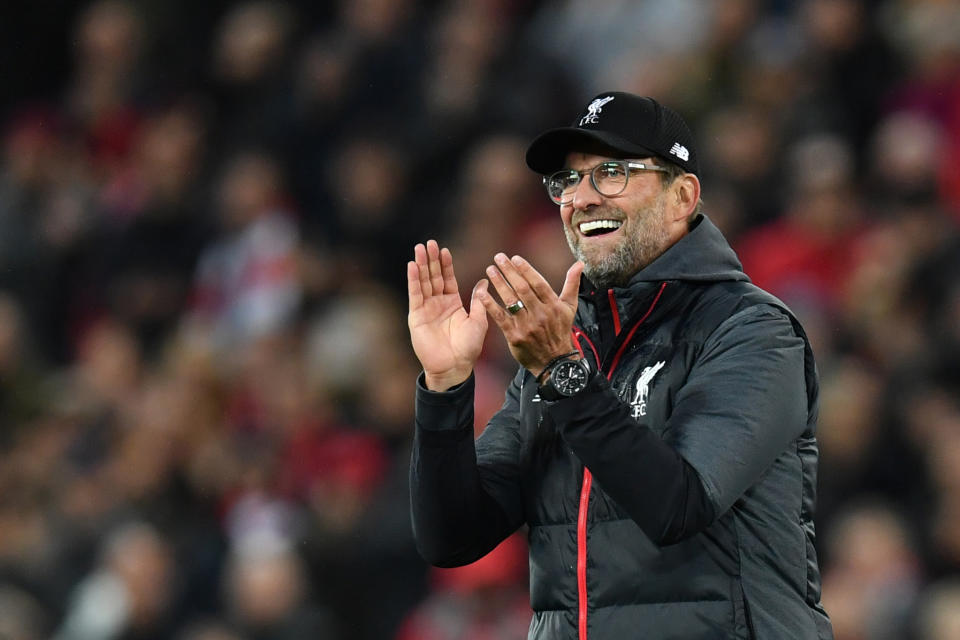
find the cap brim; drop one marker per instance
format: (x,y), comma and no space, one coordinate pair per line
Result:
(548,152)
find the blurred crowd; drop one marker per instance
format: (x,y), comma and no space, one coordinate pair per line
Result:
(205,213)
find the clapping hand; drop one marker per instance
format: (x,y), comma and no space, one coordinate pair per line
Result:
(446,337)
(538,328)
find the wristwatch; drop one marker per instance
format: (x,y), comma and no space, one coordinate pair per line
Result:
(568,377)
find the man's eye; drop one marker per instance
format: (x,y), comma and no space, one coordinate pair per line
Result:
(610,171)
(568,180)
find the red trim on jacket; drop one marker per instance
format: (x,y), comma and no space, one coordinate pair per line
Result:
(623,346)
(582,552)
(578,333)
(613,308)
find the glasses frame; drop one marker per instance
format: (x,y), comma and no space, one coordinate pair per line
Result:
(629,167)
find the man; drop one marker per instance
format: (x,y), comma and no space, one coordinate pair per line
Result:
(658,438)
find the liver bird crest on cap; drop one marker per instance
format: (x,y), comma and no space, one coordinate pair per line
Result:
(594,109)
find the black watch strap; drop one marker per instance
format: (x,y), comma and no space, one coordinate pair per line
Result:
(549,393)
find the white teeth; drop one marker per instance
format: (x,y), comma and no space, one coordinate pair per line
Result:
(593,225)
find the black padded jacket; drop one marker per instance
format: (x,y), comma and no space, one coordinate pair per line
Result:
(673,498)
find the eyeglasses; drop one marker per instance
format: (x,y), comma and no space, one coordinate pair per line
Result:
(608,178)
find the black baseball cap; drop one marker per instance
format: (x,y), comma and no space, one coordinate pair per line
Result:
(618,124)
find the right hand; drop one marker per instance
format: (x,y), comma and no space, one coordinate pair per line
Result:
(446,337)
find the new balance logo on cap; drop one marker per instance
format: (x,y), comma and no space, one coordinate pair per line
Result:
(594,109)
(680,151)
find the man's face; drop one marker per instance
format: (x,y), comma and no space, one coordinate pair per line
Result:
(611,256)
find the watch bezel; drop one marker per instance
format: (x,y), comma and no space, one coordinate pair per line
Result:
(564,390)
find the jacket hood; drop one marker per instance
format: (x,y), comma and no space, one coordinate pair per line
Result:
(702,255)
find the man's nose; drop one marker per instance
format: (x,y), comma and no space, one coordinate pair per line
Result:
(585,195)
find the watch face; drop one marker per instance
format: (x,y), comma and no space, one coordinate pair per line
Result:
(569,377)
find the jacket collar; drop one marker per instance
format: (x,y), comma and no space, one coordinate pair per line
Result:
(702,255)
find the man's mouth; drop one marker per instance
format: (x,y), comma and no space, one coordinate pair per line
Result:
(593,228)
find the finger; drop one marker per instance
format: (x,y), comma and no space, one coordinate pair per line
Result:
(494,310)
(477,310)
(420,256)
(507,295)
(446,271)
(571,285)
(414,288)
(520,283)
(541,288)
(433,261)
(516,280)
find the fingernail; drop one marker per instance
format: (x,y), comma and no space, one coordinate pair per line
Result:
(500,257)
(517,260)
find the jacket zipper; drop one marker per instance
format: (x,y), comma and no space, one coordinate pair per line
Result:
(587,476)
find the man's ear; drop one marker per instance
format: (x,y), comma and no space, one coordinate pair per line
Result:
(685,194)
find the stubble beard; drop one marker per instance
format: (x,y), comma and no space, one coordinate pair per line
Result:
(645,237)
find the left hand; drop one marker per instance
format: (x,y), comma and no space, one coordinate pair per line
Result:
(542,329)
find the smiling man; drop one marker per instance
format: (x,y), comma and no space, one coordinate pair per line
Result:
(658,437)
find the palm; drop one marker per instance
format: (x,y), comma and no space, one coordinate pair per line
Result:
(446,337)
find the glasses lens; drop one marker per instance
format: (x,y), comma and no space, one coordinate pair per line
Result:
(561,185)
(610,178)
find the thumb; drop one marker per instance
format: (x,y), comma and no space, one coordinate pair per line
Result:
(571,285)
(477,311)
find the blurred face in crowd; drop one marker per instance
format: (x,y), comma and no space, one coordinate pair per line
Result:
(265,589)
(142,560)
(249,188)
(616,236)
(109,35)
(251,39)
